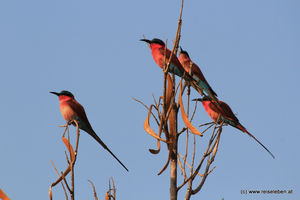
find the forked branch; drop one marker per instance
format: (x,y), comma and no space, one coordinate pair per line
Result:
(71,162)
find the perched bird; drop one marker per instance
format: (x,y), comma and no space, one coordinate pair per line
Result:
(158,51)
(227,116)
(72,110)
(193,69)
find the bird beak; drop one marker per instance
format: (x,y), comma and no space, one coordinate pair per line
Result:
(181,50)
(198,99)
(145,40)
(55,93)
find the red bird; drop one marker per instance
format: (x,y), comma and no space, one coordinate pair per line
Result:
(158,50)
(227,116)
(72,110)
(193,69)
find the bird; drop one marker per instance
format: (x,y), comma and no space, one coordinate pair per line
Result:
(72,110)
(193,69)
(227,116)
(160,53)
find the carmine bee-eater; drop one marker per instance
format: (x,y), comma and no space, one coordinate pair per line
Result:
(227,116)
(158,51)
(72,110)
(193,69)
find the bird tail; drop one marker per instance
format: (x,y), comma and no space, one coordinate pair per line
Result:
(96,137)
(242,128)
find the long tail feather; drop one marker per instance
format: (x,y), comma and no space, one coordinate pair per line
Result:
(95,136)
(239,126)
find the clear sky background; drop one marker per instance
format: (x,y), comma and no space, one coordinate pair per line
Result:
(248,50)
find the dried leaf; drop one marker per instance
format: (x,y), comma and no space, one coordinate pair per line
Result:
(3,195)
(69,147)
(185,117)
(148,129)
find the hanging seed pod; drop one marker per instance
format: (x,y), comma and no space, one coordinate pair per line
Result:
(156,151)
(185,117)
(148,129)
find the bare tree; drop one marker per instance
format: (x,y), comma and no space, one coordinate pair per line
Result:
(165,111)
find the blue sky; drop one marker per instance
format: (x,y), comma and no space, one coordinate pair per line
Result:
(248,51)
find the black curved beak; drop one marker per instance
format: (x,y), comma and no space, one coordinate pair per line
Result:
(198,99)
(55,93)
(145,40)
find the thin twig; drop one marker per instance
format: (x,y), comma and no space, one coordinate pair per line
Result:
(66,195)
(94,190)
(202,159)
(65,181)
(147,108)
(72,164)
(114,188)
(206,124)
(182,130)
(61,177)
(209,162)
(195,108)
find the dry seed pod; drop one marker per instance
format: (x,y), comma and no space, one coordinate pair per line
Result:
(148,129)
(153,151)
(185,117)
(169,91)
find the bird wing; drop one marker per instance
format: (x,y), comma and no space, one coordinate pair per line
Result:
(79,110)
(230,115)
(228,112)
